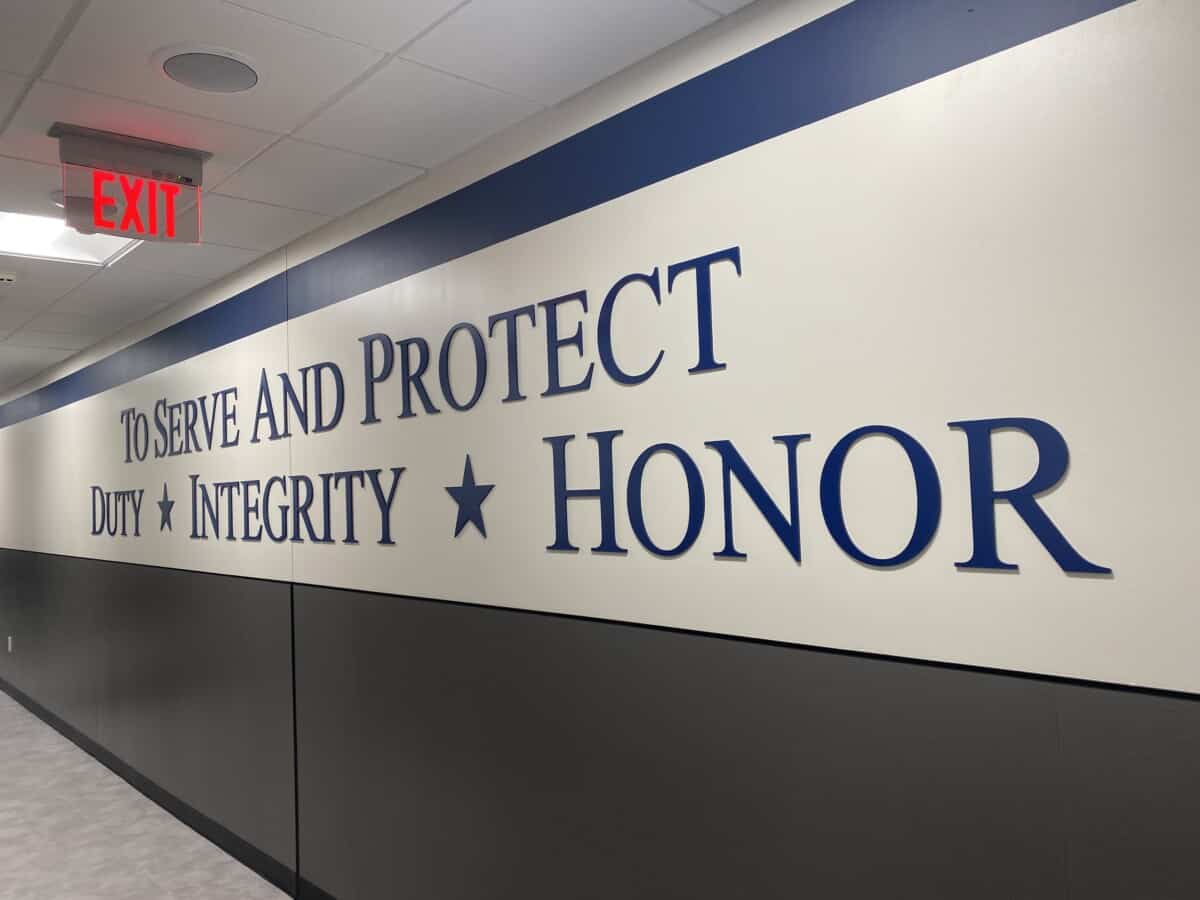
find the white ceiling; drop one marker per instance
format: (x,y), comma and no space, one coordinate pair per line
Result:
(564,45)
(355,98)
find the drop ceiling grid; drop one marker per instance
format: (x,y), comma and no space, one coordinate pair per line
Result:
(45,324)
(367,93)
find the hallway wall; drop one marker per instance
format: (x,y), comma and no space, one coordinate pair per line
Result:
(398,565)
(184,678)
(459,752)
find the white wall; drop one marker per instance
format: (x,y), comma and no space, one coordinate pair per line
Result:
(1014,238)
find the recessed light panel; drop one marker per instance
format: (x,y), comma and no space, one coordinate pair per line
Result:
(41,237)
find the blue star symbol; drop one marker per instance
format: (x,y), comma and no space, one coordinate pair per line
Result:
(469,496)
(165,505)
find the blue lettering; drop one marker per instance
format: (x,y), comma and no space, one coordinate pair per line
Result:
(695,489)
(702,266)
(371,376)
(1053,459)
(604,329)
(480,366)
(509,319)
(554,344)
(411,378)
(604,493)
(929,496)
(786,528)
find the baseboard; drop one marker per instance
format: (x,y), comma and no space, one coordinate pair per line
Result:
(309,891)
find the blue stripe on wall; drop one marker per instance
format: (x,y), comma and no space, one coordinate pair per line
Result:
(858,53)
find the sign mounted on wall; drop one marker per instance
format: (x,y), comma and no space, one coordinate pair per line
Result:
(131,187)
(872,402)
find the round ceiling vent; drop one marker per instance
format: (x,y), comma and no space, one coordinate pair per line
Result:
(208,69)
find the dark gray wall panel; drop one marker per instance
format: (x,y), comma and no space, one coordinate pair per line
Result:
(1132,774)
(19,592)
(185,677)
(69,642)
(55,613)
(465,752)
(200,695)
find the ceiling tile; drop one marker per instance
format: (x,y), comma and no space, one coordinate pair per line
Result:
(409,113)
(28,338)
(25,187)
(725,6)
(256,226)
(205,261)
(320,179)
(28,26)
(10,89)
(383,24)
(123,295)
(110,50)
(550,51)
(40,281)
(18,364)
(46,104)
(15,315)
(77,324)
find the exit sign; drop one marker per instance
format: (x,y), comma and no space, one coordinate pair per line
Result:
(129,186)
(131,206)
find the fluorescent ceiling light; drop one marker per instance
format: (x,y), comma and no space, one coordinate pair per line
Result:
(40,237)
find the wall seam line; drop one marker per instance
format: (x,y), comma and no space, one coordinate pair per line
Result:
(295,739)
